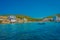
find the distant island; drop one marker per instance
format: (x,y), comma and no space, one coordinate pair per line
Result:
(5,19)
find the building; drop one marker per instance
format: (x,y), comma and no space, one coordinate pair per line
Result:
(3,19)
(12,19)
(6,21)
(25,20)
(57,19)
(20,20)
(45,20)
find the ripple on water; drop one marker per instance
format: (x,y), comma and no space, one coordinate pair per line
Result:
(30,31)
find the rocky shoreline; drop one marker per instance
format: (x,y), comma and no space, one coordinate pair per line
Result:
(26,19)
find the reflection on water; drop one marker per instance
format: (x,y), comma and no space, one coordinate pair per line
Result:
(30,31)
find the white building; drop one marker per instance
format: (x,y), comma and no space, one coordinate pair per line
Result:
(57,19)
(25,20)
(12,19)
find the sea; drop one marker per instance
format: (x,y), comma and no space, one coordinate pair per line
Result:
(30,31)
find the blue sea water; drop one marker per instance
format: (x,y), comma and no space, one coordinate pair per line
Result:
(30,31)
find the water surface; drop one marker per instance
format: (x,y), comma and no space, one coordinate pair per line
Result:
(30,31)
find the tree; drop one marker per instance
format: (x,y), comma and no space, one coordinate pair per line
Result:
(50,17)
(58,15)
(0,21)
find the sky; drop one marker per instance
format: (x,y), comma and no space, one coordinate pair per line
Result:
(33,8)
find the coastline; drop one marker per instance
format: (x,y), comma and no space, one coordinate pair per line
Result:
(26,19)
(25,22)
